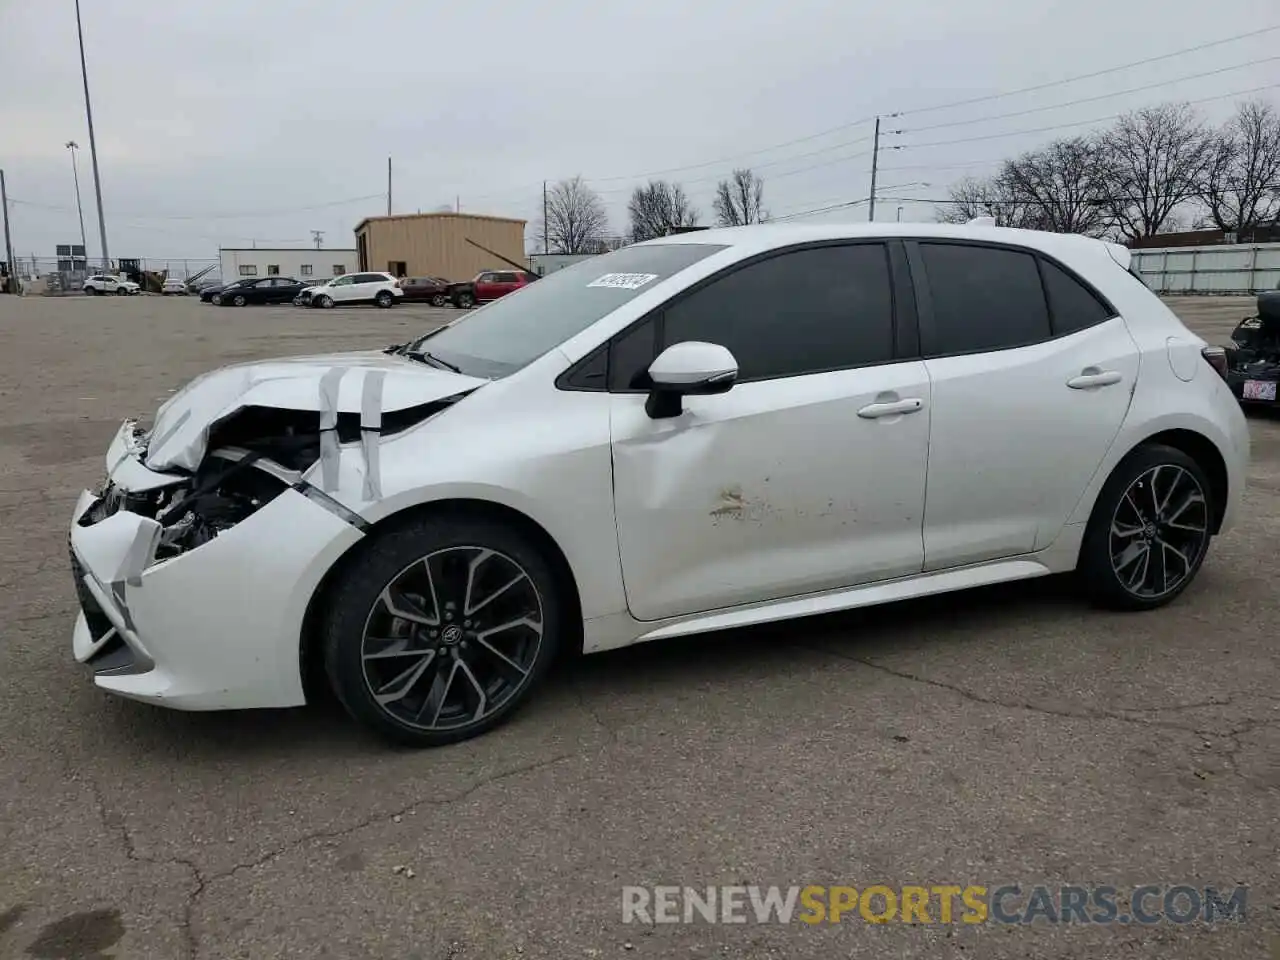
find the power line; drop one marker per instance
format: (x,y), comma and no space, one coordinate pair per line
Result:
(215,216)
(918,110)
(1063,126)
(1102,96)
(1088,76)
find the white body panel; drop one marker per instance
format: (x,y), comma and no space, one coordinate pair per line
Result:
(1012,445)
(774,489)
(779,498)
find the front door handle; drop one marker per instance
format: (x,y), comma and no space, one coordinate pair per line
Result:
(873,411)
(1094,377)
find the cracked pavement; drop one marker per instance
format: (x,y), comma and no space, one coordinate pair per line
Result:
(1007,735)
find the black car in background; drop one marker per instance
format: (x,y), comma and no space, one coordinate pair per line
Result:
(208,291)
(431,289)
(264,290)
(1253,359)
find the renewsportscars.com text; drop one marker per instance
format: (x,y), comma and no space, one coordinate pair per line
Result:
(935,904)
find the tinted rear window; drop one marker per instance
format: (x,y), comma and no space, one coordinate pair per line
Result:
(984,298)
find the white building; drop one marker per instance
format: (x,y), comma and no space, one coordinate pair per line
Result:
(301,263)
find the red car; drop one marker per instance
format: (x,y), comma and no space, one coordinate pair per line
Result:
(489,285)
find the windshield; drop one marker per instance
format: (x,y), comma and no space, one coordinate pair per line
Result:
(512,332)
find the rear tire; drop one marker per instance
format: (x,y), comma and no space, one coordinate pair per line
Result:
(91,291)
(239,300)
(1149,531)
(482,625)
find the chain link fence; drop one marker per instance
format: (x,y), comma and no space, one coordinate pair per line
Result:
(56,276)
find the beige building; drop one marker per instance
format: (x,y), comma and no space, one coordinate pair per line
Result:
(435,244)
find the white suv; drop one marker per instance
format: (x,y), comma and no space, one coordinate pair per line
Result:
(105,283)
(381,289)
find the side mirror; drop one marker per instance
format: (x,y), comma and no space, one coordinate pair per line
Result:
(688,369)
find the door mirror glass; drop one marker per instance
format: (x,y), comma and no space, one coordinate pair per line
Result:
(689,368)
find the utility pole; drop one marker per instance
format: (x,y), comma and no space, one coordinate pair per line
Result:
(546,243)
(388,186)
(10,263)
(75,173)
(875,163)
(318,237)
(899,214)
(457,204)
(93,147)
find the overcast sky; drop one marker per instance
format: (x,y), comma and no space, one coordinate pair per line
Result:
(220,124)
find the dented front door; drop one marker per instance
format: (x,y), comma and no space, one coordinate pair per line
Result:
(775,489)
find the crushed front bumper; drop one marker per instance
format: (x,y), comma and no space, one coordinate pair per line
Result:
(217,627)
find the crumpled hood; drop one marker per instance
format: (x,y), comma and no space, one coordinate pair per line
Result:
(336,383)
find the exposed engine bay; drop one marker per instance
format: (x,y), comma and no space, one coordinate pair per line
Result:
(254,455)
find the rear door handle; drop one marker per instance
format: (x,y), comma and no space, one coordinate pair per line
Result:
(1093,377)
(873,411)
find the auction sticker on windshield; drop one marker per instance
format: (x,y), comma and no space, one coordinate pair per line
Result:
(624,281)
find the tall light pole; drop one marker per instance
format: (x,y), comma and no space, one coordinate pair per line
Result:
(93,147)
(75,173)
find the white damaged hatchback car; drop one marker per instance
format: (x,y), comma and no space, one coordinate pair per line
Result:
(704,431)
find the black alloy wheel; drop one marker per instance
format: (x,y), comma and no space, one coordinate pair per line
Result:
(442,630)
(1150,529)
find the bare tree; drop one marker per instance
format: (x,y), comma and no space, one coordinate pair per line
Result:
(739,200)
(658,207)
(576,221)
(1242,177)
(1063,186)
(974,197)
(1155,160)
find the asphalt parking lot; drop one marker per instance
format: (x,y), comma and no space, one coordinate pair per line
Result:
(1012,735)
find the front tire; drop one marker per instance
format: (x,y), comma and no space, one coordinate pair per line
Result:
(1149,531)
(384,299)
(122,292)
(326,302)
(91,291)
(442,629)
(465,301)
(439,300)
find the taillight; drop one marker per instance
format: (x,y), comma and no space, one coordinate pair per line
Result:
(1217,358)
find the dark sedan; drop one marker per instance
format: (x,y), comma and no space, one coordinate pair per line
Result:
(266,290)
(208,291)
(432,289)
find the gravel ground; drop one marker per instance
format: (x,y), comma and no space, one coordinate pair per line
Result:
(1012,735)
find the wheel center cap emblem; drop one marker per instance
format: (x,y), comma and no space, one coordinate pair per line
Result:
(1150,530)
(451,634)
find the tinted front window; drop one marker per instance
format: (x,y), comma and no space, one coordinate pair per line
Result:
(984,298)
(824,308)
(1073,306)
(515,330)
